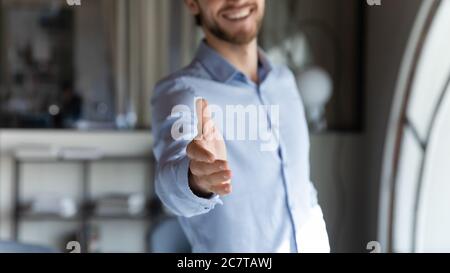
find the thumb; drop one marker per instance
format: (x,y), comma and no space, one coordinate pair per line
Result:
(203,116)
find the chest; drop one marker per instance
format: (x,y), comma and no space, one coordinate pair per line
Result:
(260,119)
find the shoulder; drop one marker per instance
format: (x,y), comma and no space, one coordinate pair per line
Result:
(286,80)
(284,77)
(176,89)
(179,80)
(283,71)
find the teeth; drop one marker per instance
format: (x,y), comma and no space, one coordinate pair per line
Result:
(238,15)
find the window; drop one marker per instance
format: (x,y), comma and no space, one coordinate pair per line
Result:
(419,217)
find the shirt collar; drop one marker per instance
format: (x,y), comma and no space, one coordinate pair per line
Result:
(223,71)
(264,65)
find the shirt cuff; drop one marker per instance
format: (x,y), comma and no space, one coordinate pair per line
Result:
(206,204)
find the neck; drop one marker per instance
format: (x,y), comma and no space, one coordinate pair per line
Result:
(243,57)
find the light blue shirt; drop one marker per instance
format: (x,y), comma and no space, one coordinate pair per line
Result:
(273,202)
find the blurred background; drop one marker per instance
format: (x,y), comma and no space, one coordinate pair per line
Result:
(75,130)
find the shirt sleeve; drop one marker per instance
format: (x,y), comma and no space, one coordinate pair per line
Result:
(173,127)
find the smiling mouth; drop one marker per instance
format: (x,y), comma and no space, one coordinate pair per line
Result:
(239,14)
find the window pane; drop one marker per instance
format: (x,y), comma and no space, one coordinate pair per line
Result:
(411,155)
(434,210)
(432,72)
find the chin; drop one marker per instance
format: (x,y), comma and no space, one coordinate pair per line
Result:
(244,39)
(242,36)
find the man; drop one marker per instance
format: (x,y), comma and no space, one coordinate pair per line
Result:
(235,194)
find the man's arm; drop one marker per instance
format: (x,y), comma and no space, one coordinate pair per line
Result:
(184,164)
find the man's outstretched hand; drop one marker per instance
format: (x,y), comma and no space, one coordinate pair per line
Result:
(209,172)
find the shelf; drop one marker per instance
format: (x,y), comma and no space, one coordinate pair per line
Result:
(124,217)
(110,143)
(56,217)
(97,160)
(114,152)
(47,217)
